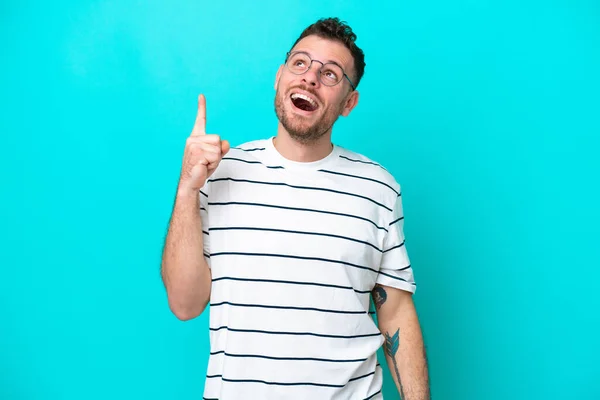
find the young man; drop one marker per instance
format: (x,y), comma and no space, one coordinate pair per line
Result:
(288,238)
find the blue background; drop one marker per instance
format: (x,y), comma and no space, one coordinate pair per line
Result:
(486,112)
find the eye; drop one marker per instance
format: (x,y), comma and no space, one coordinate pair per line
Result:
(330,75)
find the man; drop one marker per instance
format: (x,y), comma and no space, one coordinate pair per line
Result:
(288,238)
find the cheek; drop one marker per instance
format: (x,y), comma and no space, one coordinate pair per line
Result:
(284,87)
(286,81)
(335,104)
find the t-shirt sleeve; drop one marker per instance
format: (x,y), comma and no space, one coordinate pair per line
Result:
(395,269)
(204,193)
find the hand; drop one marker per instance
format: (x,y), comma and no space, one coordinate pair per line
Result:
(202,153)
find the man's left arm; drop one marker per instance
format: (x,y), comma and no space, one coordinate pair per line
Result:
(404,348)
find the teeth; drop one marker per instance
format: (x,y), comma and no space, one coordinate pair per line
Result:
(302,96)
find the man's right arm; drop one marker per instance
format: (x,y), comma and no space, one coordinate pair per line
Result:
(184,270)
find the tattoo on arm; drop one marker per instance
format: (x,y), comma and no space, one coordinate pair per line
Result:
(391,345)
(379,296)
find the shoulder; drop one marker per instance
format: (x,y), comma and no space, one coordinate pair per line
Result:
(239,158)
(252,145)
(368,168)
(249,150)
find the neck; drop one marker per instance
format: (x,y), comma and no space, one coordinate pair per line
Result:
(298,151)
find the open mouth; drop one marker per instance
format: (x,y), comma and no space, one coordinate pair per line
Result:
(304,102)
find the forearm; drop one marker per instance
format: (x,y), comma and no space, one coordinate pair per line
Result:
(404,349)
(185,272)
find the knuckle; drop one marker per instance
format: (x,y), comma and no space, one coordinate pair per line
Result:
(212,138)
(191,141)
(195,149)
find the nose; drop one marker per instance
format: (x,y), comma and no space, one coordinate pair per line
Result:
(311,76)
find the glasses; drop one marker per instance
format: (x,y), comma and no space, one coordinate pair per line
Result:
(330,74)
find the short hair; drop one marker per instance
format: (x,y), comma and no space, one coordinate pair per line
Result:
(334,29)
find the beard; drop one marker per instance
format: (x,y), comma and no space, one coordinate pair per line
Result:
(298,126)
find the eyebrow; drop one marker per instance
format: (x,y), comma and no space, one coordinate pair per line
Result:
(326,61)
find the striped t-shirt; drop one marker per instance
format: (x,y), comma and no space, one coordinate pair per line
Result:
(295,250)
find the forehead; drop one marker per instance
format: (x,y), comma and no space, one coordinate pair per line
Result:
(326,50)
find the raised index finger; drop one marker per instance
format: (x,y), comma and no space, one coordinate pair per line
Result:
(200,124)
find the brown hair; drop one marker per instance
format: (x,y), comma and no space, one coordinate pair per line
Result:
(333,28)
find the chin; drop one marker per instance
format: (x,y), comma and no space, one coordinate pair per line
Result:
(304,132)
(302,126)
(299,130)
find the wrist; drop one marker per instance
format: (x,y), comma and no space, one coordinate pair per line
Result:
(187,195)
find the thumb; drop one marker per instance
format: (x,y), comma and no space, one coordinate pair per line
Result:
(225,146)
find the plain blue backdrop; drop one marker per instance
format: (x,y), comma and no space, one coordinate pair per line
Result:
(486,112)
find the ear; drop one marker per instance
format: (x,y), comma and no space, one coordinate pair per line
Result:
(277,76)
(351,102)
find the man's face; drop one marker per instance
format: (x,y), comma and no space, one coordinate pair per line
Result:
(307,121)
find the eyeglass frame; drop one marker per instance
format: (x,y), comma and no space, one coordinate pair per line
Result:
(289,53)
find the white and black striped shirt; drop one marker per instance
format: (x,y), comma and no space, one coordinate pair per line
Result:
(295,250)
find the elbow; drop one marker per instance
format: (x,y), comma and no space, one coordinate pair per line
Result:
(186,312)
(184,315)
(187,300)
